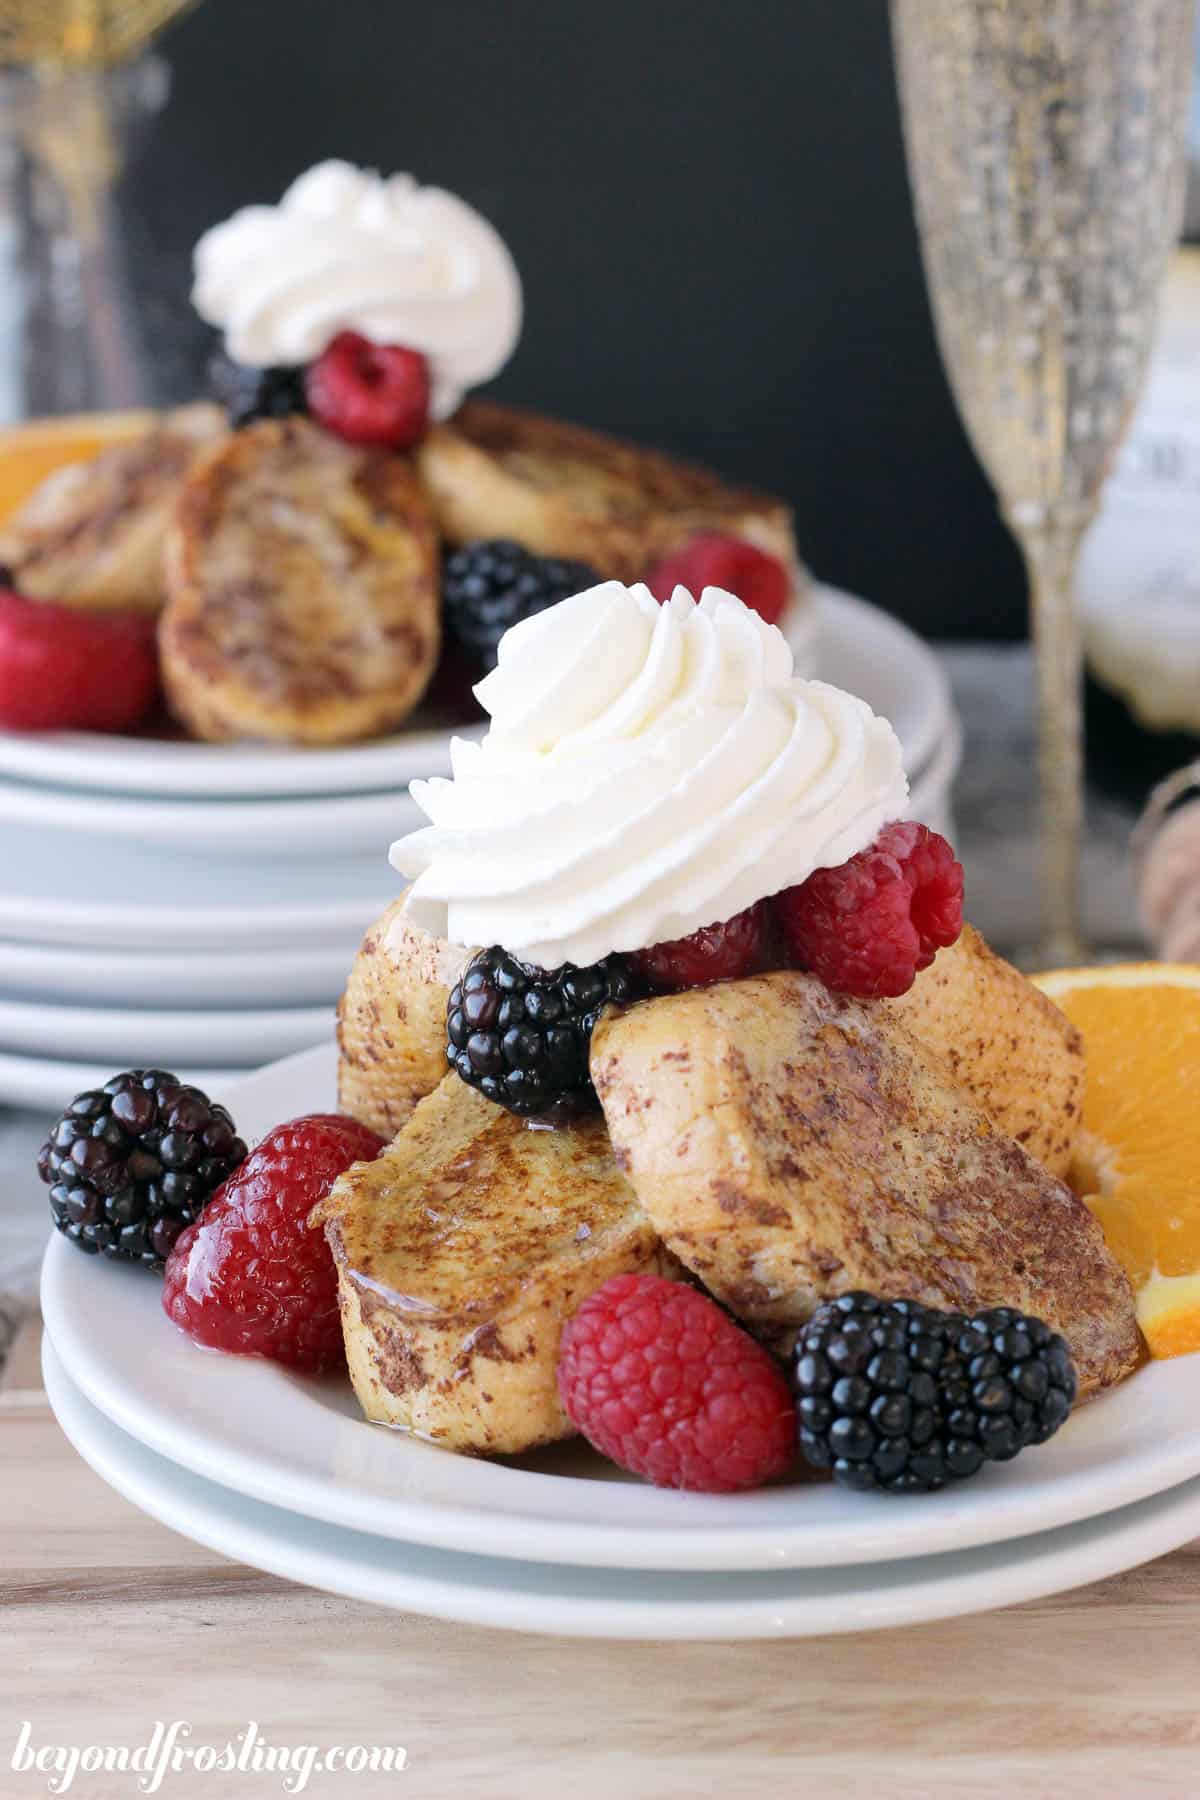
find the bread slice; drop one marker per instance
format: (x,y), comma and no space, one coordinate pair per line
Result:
(92,534)
(1007,1043)
(303,590)
(560,490)
(790,1146)
(461,1252)
(392,1021)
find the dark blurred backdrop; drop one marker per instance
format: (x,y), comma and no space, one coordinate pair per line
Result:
(709,208)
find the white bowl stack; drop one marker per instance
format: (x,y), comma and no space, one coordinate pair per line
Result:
(196,907)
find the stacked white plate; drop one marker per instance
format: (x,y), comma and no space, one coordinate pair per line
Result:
(285,1474)
(197,906)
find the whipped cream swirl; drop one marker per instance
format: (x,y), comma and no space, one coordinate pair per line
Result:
(347,250)
(648,770)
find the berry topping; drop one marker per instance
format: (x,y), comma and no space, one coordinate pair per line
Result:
(248,393)
(131,1164)
(62,669)
(490,585)
(522,1035)
(871,925)
(251,1277)
(714,953)
(370,393)
(899,1396)
(663,1382)
(713,559)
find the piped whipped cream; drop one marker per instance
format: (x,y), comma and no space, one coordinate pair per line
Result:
(648,770)
(348,250)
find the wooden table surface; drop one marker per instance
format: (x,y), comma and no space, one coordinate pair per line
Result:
(109,1622)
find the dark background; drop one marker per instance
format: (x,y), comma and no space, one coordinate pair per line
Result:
(708,204)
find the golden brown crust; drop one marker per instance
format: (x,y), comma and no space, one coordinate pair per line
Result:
(790,1146)
(1007,1043)
(495,471)
(92,534)
(461,1251)
(303,583)
(392,1021)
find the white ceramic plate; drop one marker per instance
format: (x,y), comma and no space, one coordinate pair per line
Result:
(46,1084)
(304,1446)
(857,646)
(92,891)
(308,826)
(84,759)
(125,1038)
(617,1603)
(274,975)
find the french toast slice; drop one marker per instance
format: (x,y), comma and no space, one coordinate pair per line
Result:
(790,1146)
(92,533)
(302,575)
(1009,1045)
(392,1021)
(562,490)
(461,1252)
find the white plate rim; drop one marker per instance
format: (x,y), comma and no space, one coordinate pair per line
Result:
(702,1607)
(301,827)
(224,978)
(240,1036)
(685,1531)
(46,1083)
(151,768)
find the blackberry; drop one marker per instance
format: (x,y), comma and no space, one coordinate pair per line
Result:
(131,1163)
(247,393)
(897,1396)
(521,1034)
(490,585)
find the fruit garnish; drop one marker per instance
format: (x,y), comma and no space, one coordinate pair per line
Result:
(370,393)
(869,926)
(899,1397)
(522,1035)
(251,1276)
(133,1163)
(722,952)
(248,393)
(1139,1150)
(493,584)
(661,1381)
(714,559)
(64,669)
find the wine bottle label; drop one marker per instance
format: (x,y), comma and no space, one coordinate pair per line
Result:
(1138,582)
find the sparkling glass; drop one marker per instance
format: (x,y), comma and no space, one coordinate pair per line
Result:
(72,89)
(1046,149)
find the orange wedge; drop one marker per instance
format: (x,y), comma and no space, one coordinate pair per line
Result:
(1138,1163)
(30,452)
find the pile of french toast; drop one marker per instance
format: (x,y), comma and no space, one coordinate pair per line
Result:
(763,1137)
(297,575)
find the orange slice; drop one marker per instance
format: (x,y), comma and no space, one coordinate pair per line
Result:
(30,452)
(1138,1163)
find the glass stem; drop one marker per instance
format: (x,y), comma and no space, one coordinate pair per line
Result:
(1050,548)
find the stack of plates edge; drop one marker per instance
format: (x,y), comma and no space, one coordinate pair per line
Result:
(197,906)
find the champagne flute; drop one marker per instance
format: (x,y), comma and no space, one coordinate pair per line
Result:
(71,81)
(1046,151)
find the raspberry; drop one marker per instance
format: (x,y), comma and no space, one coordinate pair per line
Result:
(66,670)
(250,1276)
(661,1381)
(713,559)
(714,953)
(370,393)
(871,925)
